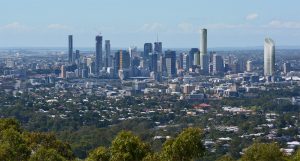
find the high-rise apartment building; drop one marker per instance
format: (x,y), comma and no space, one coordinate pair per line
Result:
(269,57)
(204,58)
(192,53)
(218,64)
(122,60)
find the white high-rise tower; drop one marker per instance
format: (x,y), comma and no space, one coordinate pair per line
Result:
(269,57)
(204,59)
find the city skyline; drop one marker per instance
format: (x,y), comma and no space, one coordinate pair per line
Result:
(151,80)
(177,26)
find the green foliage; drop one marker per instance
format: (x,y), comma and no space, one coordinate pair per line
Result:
(9,123)
(152,157)
(167,150)
(13,146)
(99,154)
(48,141)
(225,158)
(263,152)
(45,154)
(185,147)
(296,156)
(16,145)
(128,147)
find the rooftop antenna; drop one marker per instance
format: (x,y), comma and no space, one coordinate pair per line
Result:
(97,30)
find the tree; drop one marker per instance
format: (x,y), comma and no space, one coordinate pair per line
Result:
(185,147)
(263,152)
(9,123)
(13,146)
(99,154)
(18,145)
(127,147)
(225,158)
(152,157)
(48,140)
(167,152)
(44,154)
(296,156)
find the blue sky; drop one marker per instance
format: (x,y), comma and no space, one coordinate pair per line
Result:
(230,23)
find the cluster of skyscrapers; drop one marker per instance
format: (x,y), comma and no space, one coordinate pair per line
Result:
(154,62)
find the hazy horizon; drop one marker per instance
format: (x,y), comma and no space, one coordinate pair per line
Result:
(35,23)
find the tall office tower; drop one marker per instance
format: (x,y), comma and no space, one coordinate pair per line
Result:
(158,47)
(204,58)
(196,58)
(170,59)
(218,64)
(76,57)
(153,62)
(98,61)
(162,64)
(185,62)
(10,63)
(147,50)
(205,63)
(107,53)
(84,73)
(122,60)
(84,63)
(180,61)
(235,67)
(192,52)
(287,67)
(211,56)
(242,64)
(249,66)
(63,71)
(70,56)
(269,57)
(135,61)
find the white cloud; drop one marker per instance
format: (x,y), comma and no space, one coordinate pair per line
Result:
(284,24)
(57,26)
(13,26)
(186,27)
(153,27)
(226,26)
(252,16)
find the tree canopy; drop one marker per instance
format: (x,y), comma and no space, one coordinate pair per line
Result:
(17,144)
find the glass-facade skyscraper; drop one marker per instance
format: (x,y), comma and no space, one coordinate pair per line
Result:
(147,50)
(98,60)
(158,47)
(70,51)
(170,59)
(107,53)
